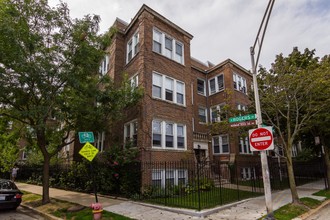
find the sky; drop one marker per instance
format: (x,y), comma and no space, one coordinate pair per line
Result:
(225,29)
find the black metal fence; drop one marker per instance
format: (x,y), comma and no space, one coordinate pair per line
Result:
(186,184)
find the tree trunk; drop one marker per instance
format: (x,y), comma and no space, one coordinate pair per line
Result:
(292,182)
(45,180)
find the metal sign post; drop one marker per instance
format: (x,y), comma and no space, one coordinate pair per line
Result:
(264,162)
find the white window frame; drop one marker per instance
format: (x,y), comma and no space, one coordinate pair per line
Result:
(161,174)
(134,80)
(217,88)
(162,84)
(133,130)
(220,144)
(99,141)
(172,52)
(239,83)
(104,66)
(204,110)
(204,87)
(248,172)
(244,145)
(163,132)
(132,47)
(218,117)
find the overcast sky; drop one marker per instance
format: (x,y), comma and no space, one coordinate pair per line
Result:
(227,28)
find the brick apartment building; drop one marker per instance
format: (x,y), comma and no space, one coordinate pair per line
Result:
(182,96)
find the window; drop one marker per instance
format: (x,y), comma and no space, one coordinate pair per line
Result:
(239,83)
(202,115)
(244,147)
(201,87)
(157,82)
(216,84)
(179,93)
(157,41)
(217,113)
(168,135)
(180,136)
(241,107)
(157,178)
(134,81)
(167,46)
(169,83)
(132,47)
(247,173)
(156,134)
(99,140)
(220,144)
(104,67)
(172,177)
(168,89)
(130,133)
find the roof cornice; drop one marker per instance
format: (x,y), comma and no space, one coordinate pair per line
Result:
(156,14)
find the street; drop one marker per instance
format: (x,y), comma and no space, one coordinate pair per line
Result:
(20,214)
(322,214)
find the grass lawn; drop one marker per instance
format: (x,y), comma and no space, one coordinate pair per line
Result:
(60,209)
(325,193)
(208,199)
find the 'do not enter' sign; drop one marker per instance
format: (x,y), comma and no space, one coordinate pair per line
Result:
(261,139)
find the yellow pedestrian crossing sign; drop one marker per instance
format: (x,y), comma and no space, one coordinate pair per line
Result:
(88,151)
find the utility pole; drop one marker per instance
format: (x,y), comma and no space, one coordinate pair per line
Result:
(264,162)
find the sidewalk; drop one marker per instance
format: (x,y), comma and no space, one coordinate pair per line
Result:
(253,208)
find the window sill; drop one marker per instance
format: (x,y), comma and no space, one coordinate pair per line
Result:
(169,102)
(182,64)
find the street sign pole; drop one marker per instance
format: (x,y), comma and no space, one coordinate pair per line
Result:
(264,162)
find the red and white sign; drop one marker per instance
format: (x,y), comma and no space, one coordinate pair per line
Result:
(261,139)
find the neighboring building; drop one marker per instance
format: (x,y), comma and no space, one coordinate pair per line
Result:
(182,96)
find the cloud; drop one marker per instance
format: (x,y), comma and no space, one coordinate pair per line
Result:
(227,28)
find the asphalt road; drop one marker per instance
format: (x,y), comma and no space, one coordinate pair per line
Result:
(322,214)
(20,214)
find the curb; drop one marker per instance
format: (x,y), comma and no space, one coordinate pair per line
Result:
(46,215)
(312,211)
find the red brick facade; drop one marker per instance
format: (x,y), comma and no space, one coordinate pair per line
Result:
(145,62)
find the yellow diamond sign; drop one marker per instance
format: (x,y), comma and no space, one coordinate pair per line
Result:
(88,151)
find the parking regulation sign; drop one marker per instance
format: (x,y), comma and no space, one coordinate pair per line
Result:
(261,139)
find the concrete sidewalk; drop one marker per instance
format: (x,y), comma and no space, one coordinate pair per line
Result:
(253,208)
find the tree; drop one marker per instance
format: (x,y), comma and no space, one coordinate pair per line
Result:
(287,102)
(319,125)
(48,76)
(9,137)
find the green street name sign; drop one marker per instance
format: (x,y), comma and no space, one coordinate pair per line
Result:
(85,137)
(243,118)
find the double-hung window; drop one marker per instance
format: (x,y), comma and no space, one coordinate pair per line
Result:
(167,46)
(239,83)
(216,84)
(217,113)
(134,80)
(132,47)
(168,89)
(104,67)
(99,140)
(201,87)
(157,134)
(220,144)
(244,147)
(202,114)
(168,135)
(166,177)
(130,133)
